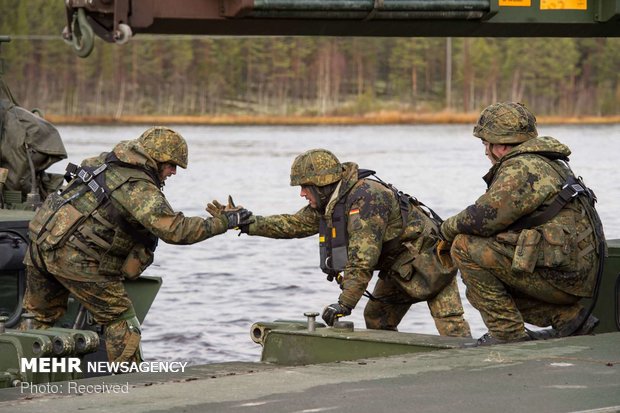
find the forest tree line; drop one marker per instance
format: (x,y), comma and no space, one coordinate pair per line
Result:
(199,75)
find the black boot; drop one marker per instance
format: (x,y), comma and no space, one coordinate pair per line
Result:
(545,334)
(488,340)
(580,325)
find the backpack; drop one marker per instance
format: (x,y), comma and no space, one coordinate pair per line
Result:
(28,146)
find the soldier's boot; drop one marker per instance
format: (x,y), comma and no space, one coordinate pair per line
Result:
(122,340)
(576,325)
(579,325)
(544,334)
(488,340)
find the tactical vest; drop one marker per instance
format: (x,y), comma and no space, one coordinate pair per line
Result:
(84,216)
(334,238)
(559,235)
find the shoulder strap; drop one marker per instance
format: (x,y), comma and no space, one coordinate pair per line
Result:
(405,200)
(94,179)
(573,187)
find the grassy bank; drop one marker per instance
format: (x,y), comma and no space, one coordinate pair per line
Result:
(380,118)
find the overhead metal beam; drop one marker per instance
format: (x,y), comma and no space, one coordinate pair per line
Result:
(118,20)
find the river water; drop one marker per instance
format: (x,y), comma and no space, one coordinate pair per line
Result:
(213,291)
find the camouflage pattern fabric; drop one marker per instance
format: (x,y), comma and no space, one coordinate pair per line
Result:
(86,259)
(446,308)
(142,204)
(317,167)
(506,123)
(505,298)
(165,145)
(373,218)
(563,257)
(46,297)
(27,137)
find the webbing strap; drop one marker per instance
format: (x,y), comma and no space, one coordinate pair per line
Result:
(97,215)
(90,234)
(90,176)
(584,235)
(84,248)
(585,251)
(93,178)
(571,189)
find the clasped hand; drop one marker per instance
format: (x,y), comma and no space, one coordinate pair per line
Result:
(237,216)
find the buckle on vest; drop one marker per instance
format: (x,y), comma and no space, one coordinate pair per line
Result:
(575,189)
(84,176)
(94,186)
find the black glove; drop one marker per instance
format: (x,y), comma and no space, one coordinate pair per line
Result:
(238,218)
(333,312)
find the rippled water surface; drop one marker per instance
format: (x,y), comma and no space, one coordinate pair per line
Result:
(213,291)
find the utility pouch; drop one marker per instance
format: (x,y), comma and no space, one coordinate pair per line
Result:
(526,251)
(121,244)
(51,227)
(558,247)
(403,265)
(137,261)
(420,271)
(49,207)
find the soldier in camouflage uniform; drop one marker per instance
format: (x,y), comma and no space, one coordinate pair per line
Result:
(525,253)
(103,227)
(365,225)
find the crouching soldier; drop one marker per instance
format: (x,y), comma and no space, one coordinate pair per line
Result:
(530,248)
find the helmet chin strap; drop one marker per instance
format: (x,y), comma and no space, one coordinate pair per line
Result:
(322,194)
(160,168)
(493,156)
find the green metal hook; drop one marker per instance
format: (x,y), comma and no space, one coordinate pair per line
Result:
(83,39)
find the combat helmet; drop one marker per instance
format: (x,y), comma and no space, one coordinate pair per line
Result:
(506,123)
(164,145)
(317,167)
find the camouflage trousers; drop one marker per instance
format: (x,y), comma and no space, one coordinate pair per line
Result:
(393,302)
(507,299)
(47,294)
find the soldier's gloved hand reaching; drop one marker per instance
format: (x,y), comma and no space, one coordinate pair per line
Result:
(333,312)
(237,216)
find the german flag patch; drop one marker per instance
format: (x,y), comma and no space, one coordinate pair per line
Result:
(354,211)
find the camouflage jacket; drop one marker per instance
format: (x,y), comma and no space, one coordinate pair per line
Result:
(518,184)
(98,245)
(523,181)
(378,221)
(144,204)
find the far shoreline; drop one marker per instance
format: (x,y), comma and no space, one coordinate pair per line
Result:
(381,118)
